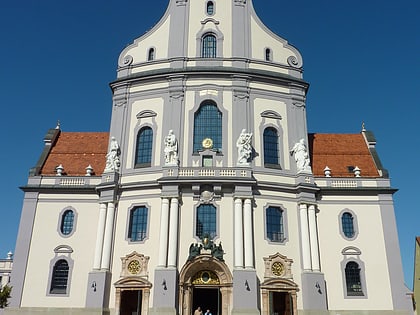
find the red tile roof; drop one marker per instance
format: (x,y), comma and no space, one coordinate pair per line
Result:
(75,151)
(340,151)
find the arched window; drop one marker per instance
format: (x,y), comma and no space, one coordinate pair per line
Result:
(268,55)
(144,147)
(137,230)
(353,281)
(271,151)
(60,276)
(274,224)
(210,8)
(67,222)
(206,221)
(151,54)
(347,224)
(208,46)
(207,124)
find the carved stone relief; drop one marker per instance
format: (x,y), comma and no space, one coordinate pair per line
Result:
(134,264)
(278,266)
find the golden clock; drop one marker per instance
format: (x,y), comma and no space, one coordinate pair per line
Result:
(134,267)
(277,268)
(207,143)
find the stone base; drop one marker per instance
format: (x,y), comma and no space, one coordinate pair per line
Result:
(55,311)
(359,312)
(313,291)
(238,311)
(162,311)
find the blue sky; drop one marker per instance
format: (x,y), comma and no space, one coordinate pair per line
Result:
(362,59)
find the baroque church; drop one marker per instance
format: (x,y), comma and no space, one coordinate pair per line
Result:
(207,191)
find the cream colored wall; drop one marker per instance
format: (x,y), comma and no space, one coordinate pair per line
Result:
(260,105)
(155,104)
(261,40)
(263,248)
(45,239)
(154,38)
(222,16)
(149,247)
(369,241)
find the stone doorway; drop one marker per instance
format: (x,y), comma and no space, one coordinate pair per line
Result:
(207,299)
(131,301)
(281,303)
(208,281)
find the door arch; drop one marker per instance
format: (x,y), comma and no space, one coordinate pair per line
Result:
(219,277)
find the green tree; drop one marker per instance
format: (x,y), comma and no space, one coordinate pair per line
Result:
(5,295)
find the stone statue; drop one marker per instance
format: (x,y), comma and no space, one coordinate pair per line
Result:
(171,149)
(301,155)
(113,157)
(244,147)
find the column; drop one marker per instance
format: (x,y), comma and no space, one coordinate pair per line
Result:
(239,241)
(248,236)
(163,238)
(173,233)
(109,229)
(313,236)
(100,236)
(304,229)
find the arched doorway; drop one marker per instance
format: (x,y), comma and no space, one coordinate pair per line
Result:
(206,282)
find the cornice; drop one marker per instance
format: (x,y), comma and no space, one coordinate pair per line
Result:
(223,72)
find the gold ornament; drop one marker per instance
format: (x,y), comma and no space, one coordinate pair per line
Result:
(134,267)
(277,269)
(207,143)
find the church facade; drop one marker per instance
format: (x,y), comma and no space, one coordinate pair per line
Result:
(208,191)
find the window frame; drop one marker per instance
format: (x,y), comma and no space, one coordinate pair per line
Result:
(212,49)
(355,224)
(213,8)
(271,165)
(129,224)
(151,50)
(284,223)
(136,150)
(269,55)
(362,279)
(217,132)
(62,252)
(61,218)
(219,44)
(196,209)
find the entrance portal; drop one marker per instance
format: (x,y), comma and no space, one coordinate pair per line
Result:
(207,299)
(131,302)
(280,303)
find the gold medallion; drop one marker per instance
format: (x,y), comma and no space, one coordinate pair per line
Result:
(207,143)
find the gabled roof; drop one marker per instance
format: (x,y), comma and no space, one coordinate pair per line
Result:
(75,151)
(341,153)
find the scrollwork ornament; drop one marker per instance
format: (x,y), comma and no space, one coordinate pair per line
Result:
(240,2)
(292,61)
(128,60)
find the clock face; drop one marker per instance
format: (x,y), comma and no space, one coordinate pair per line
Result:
(207,143)
(277,268)
(134,267)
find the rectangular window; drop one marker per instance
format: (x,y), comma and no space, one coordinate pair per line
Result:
(274,224)
(138,224)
